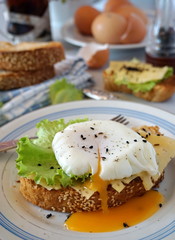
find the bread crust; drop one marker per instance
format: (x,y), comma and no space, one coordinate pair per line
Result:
(161,91)
(69,200)
(30,56)
(10,80)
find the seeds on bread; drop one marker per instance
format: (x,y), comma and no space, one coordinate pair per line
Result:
(12,79)
(69,200)
(30,56)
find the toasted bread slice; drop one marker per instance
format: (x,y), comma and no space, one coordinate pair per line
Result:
(10,80)
(29,56)
(70,199)
(161,91)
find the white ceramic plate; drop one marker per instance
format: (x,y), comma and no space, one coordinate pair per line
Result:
(22,220)
(71,35)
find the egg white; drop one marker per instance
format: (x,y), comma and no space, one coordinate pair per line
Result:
(121,150)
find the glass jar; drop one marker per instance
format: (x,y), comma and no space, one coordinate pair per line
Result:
(27,20)
(161,48)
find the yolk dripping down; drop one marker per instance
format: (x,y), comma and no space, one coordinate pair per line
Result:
(100,185)
(131,213)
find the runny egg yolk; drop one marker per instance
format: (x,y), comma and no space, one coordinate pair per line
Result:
(131,213)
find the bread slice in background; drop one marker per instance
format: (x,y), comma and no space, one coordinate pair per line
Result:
(17,79)
(161,91)
(30,56)
(121,76)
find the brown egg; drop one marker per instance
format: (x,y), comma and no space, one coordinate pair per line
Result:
(108,27)
(95,55)
(84,17)
(136,30)
(125,11)
(115,4)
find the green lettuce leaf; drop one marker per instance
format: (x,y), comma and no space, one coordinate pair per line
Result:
(143,87)
(139,87)
(47,130)
(62,91)
(36,159)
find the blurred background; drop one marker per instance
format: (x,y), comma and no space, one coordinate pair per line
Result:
(59,11)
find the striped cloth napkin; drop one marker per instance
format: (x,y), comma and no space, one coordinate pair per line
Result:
(20,101)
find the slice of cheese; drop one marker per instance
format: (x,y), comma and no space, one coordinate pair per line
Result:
(135,72)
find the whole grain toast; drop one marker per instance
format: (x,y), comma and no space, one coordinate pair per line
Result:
(12,79)
(69,200)
(29,56)
(161,91)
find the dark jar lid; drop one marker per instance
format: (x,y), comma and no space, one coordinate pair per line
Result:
(159,61)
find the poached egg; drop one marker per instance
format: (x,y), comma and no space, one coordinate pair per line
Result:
(121,151)
(109,151)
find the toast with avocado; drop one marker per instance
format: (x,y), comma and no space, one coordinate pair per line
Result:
(143,80)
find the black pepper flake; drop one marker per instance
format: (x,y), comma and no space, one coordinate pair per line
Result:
(127,142)
(51,167)
(144,129)
(92,128)
(100,133)
(49,215)
(103,158)
(83,146)
(156,144)
(116,160)
(107,150)
(91,147)
(146,136)
(160,205)
(39,164)
(95,135)
(125,225)
(158,134)
(144,140)
(84,138)
(135,140)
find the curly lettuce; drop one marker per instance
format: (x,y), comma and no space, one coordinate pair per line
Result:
(36,159)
